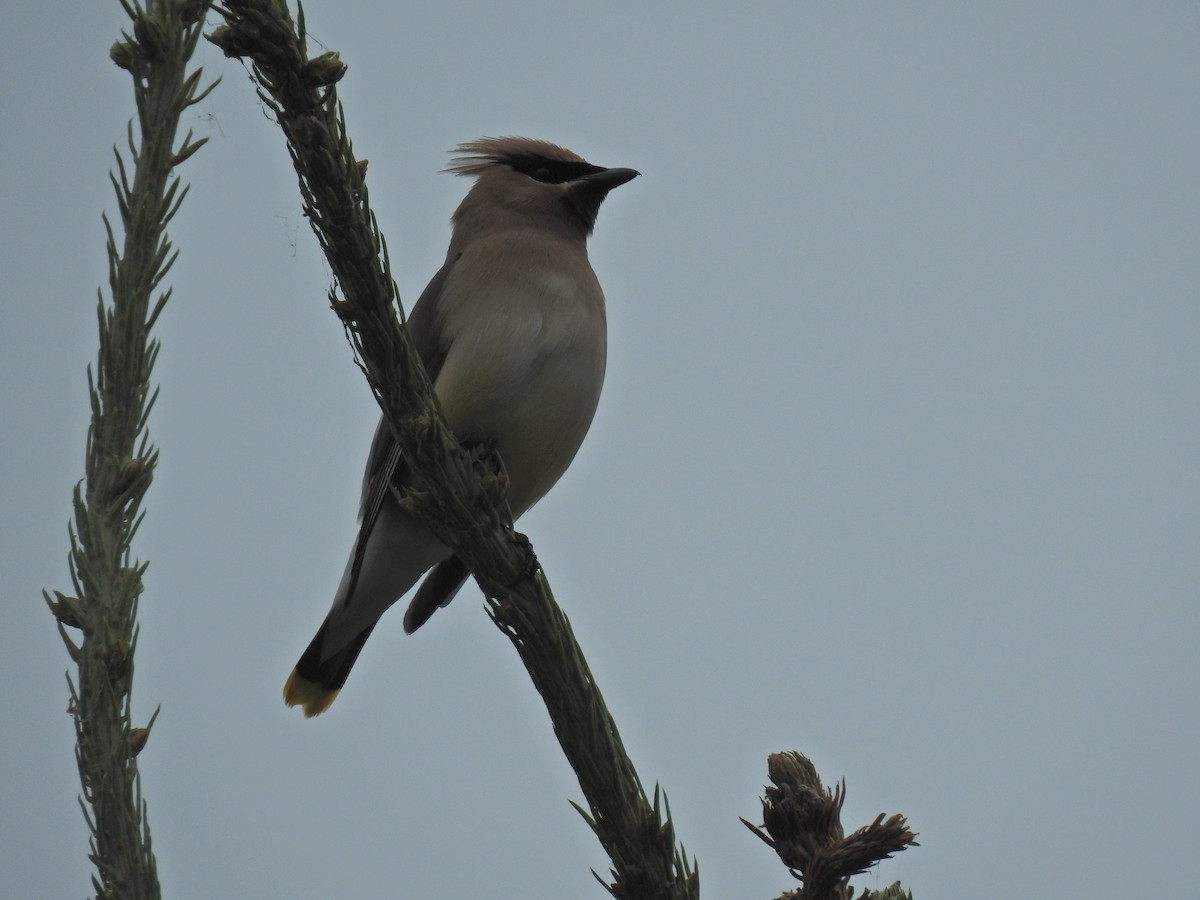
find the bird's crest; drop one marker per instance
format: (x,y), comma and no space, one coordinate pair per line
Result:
(540,160)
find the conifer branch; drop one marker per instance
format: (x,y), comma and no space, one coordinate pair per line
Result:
(802,823)
(120,460)
(459,493)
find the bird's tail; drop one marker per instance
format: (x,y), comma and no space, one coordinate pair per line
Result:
(315,682)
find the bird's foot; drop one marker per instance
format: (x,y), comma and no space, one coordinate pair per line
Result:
(531,561)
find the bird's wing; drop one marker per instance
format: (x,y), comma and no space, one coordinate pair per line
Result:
(383,462)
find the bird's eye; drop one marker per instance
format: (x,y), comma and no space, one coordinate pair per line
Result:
(542,174)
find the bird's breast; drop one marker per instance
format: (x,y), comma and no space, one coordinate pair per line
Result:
(524,370)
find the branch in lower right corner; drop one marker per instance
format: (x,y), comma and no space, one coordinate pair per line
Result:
(802,824)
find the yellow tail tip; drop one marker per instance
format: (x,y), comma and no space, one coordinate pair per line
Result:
(313,697)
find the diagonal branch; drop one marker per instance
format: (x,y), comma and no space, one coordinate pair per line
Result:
(459,495)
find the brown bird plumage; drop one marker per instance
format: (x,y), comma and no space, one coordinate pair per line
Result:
(512,331)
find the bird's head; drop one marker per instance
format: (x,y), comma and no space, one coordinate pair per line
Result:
(533,179)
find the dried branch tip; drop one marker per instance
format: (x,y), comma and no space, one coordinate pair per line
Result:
(802,822)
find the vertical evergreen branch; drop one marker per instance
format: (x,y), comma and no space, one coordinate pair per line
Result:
(120,460)
(458,495)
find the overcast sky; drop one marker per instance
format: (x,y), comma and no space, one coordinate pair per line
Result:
(896,463)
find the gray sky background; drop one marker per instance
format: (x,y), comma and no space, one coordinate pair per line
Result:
(896,463)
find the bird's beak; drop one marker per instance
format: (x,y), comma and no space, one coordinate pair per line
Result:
(607,179)
(588,192)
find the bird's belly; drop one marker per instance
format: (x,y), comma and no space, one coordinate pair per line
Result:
(535,407)
(539,442)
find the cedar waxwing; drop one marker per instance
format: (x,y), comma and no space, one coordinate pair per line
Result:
(512,332)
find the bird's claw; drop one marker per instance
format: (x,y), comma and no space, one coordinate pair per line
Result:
(531,561)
